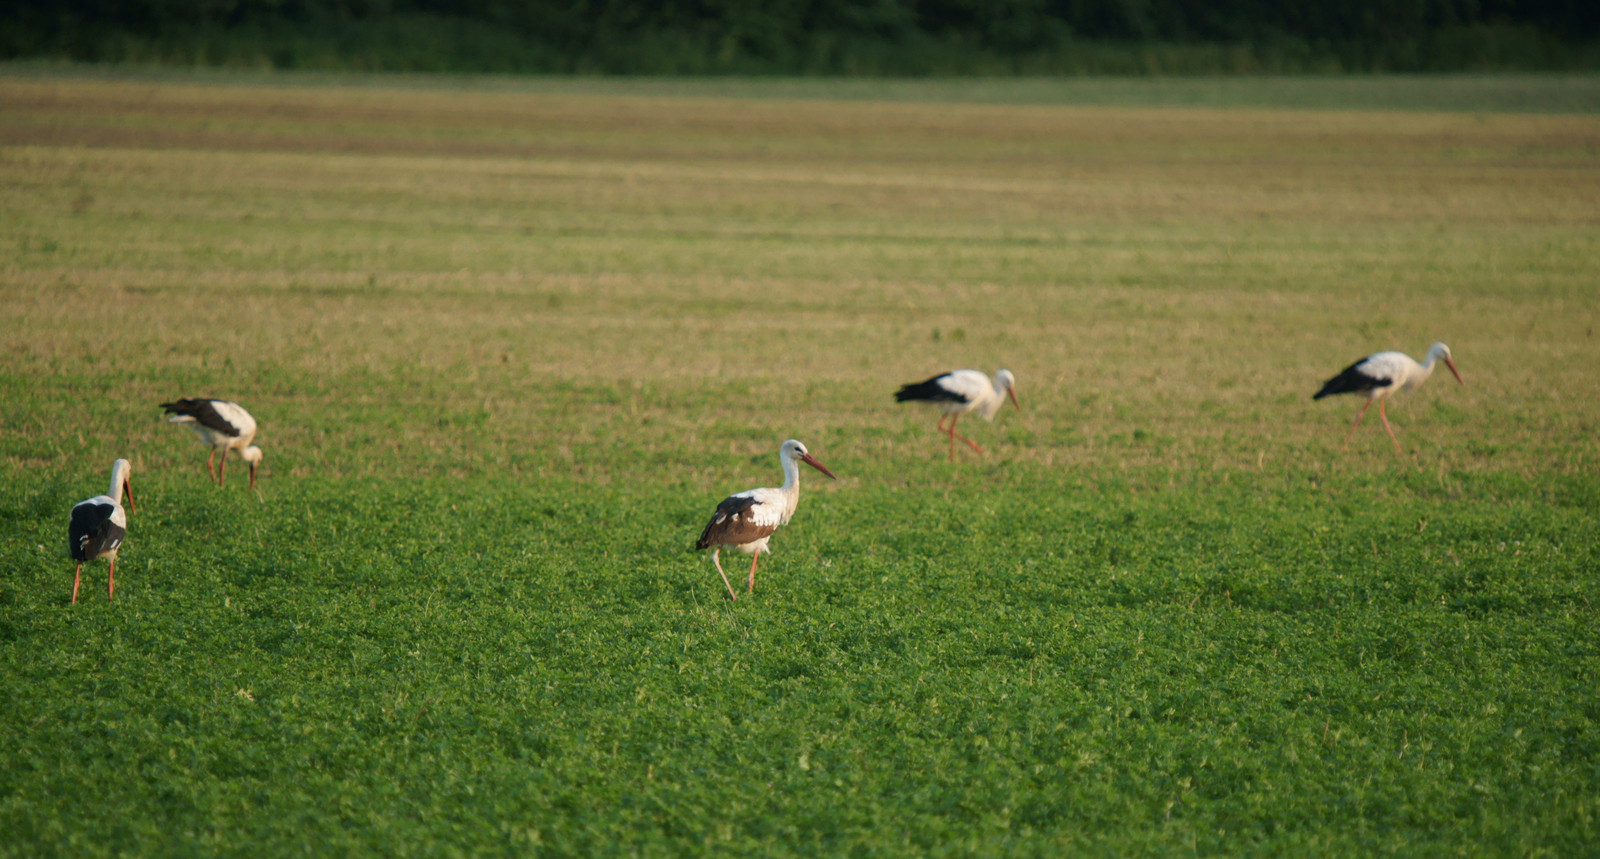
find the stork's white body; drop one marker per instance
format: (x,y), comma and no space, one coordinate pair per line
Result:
(961,391)
(1380,376)
(98,525)
(746,520)
(223,426)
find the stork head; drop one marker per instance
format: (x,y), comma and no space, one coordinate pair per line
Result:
(1440,350)
(1004,379)
(252,455)
(793,449)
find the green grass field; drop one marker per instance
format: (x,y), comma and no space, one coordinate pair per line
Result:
(509,345)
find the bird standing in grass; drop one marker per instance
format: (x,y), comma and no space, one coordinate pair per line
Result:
(746,520)
(959,392)
(221,424)
(1378,376)
(99,524)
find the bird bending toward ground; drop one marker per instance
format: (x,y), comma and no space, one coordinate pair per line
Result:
(1379,376)
(746,520)
(959,392)
(98,526)
(224,426)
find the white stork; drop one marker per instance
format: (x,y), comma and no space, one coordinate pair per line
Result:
(958,392)
(1378,376)
(221,424)
(98,526)
(746,520)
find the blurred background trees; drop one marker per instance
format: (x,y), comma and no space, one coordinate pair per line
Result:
(827,37)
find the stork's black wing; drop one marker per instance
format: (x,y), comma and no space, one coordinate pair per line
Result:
(1351,379)
(92,531)
(931,391)
(205,412)
(734,523)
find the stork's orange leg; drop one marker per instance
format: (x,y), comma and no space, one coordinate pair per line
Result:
(753,559)
(956,435)
(1385,419)
(949,432)
(714,553)
(211,465)
(221,467)
(75,582)
(111,574)
(1353,426)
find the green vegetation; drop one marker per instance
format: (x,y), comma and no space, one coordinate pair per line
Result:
(509,346)
(816,37)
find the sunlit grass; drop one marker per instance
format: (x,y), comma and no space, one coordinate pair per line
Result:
(508,348)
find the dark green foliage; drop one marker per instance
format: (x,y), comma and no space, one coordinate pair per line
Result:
(881,37)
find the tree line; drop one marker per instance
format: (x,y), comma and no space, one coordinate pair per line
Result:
(898,37)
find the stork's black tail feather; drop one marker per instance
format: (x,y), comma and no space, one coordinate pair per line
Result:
(202,410)
(187,406)
(1350,380)
(928,390)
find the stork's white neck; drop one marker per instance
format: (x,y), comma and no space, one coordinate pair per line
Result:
(791,474)
(993,399)
(1423,372)
(119,476)
(1435,352)
(791,484)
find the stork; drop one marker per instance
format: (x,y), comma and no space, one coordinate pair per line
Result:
(746,520)
(221,424)
(1378,376)
(958,392)
(98,526)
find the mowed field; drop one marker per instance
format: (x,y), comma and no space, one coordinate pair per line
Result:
(509,345)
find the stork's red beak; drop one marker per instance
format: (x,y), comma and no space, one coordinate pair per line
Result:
(1453,371)
(808,460)
(1010,392)
(127,492)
